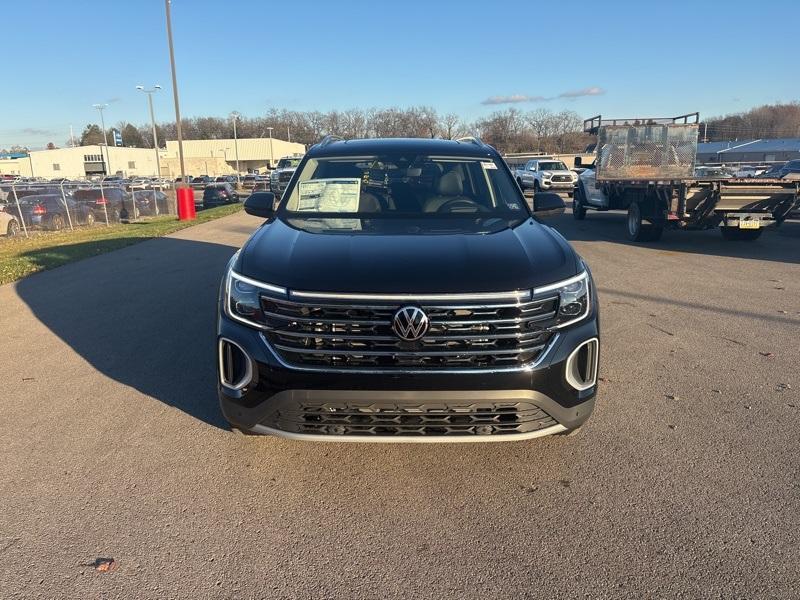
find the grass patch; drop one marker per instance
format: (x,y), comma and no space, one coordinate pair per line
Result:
(21,257)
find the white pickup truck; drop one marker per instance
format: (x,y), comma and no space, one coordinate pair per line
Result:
(546,174)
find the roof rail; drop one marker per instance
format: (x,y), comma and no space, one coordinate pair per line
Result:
(329,139)
(472,140)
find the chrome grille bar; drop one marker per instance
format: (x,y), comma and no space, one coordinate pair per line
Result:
(481,334)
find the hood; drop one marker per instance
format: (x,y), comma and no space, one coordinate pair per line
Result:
(526,256)
(551,172)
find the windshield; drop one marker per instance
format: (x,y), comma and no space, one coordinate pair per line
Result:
(401,185)
(285,163)
(555,165)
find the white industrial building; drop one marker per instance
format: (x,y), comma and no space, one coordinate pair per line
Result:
(83,161)
(218,157)
(201,157)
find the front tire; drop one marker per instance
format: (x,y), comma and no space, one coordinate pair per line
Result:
(637,229)
(734,234)
(578,206)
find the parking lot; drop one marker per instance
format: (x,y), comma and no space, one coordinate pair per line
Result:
(119,477)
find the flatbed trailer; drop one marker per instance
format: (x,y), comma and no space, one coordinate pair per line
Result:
(647,167)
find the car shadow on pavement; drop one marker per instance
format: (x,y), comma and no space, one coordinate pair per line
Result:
(143,315)
(778,244)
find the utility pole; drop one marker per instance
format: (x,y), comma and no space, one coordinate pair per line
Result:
(271,155)
(71,137)
(150,93)
(288,134)
(100,108)
(167,4)
(235,117)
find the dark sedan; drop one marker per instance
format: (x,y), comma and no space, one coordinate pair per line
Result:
(151,202)
(49,211)
(218,194)
(106,201)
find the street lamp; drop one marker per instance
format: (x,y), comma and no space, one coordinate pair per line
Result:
(271,155)
(235,117)
(100,108)
(150,93)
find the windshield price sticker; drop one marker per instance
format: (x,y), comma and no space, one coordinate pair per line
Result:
(488,165)
(330,195)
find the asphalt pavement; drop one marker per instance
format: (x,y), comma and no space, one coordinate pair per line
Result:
(119,478)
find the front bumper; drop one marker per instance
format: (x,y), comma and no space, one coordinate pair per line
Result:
(557,185)
(408,406)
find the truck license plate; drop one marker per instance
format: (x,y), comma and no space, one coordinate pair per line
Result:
(749,224)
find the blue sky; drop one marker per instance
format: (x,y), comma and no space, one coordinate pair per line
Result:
(615,58)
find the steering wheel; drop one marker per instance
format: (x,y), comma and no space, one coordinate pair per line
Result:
(459,204)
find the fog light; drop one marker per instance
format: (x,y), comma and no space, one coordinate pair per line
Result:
(581,365)
(235,366)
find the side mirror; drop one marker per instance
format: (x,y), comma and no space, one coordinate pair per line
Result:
(532,168)
(260,204)
(548,204)
(578,161)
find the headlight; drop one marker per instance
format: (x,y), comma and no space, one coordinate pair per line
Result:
(243,299)
(547,175)
(574,298)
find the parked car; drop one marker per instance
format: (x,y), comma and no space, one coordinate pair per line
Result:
(49,211)
(226,179)
(774,172)
(9,224)
(201,182)
(108,200)
(790,170)
(249,180)
(280,177)
(148,200)
(546,174)
(712,173)
(218,194)
(403,291)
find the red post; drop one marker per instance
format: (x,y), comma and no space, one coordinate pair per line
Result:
(186,210)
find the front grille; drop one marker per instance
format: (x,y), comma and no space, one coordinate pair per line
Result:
(562,178)
(471,336)
(379,419)
(285,177)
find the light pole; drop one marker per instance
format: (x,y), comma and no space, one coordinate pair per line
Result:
(271,155)
(150,93)
(235,117)
(100,108)
(179,131)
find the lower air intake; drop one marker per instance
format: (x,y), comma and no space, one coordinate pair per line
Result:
(344,419)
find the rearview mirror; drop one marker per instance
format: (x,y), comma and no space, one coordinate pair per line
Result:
(260,204)
(548,204)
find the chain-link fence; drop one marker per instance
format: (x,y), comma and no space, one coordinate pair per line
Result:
(33,207)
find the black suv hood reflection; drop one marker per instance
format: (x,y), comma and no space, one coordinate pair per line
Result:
(421,256)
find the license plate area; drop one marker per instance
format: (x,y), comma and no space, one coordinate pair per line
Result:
(755,224)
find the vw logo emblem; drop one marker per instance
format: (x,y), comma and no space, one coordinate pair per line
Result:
(410,323)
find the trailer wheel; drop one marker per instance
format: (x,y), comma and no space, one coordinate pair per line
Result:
(638,230)
(578,206)
(734,234)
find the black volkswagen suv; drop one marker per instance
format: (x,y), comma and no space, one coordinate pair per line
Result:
(402,290)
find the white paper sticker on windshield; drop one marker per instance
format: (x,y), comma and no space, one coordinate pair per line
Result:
(339,195)
(488,165)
